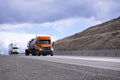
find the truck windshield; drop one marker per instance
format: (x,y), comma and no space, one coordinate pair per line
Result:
(44,42)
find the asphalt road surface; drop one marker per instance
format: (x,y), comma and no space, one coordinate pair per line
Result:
(58,68)
(97,62)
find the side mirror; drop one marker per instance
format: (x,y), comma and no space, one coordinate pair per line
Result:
(52,43)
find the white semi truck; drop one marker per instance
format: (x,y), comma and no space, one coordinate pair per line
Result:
(13,48)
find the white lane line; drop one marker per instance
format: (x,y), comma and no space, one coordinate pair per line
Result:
(106,59)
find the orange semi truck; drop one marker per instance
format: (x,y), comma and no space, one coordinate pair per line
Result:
(41,45)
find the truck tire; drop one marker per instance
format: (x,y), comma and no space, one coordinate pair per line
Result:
(26,52)
(33,54)
(37,53)
(44,54)
(51,54)
(9,53)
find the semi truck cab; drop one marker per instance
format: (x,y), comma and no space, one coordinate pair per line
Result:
(41,45)
(13,48)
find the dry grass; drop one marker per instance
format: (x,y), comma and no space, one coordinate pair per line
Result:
(102,36)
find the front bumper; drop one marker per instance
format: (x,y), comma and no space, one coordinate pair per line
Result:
(14,52)
(45,52)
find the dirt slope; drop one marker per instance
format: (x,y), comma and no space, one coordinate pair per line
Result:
(102,36)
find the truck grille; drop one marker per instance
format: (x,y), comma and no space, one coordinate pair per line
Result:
(46,48)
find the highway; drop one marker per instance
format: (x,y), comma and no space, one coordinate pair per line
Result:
(97,62)
(20,67)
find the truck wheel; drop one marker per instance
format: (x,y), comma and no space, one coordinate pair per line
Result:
(9,53)
(26,52)
(37,53)
(51,54)
(44,54)
(33,54)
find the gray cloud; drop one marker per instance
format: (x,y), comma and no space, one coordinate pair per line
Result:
(38,11)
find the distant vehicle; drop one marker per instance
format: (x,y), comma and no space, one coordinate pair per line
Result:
(13,48)
(41,45)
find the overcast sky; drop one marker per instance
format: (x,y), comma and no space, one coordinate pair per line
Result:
(21,20)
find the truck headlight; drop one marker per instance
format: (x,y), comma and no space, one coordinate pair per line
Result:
(40,49)
(52,48)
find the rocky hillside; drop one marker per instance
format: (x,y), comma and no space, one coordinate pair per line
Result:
(102,36)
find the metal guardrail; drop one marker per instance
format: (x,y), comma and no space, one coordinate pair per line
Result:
(109,53)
